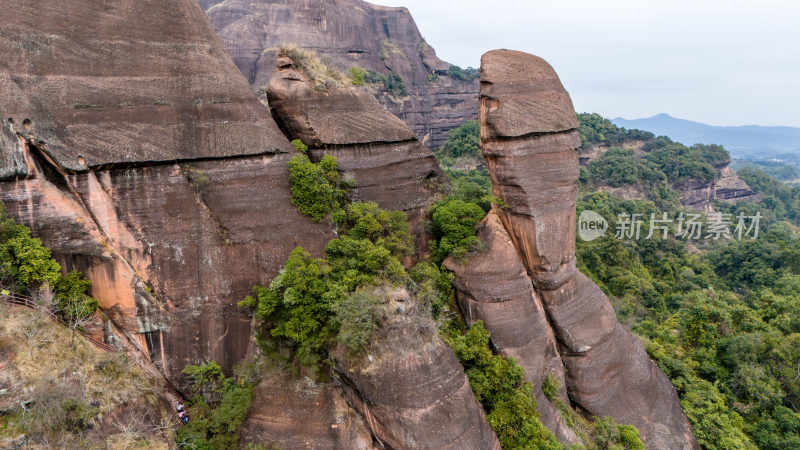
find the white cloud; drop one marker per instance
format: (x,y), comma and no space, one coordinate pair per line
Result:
(722,62)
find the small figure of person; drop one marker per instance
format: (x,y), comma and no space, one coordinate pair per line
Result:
(180,407)
(185,418)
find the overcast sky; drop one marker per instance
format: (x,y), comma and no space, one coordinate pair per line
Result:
(721,62)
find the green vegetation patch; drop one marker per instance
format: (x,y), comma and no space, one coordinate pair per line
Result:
(218,408)
(316,189)
(390,82)
(498,384)
(468,74)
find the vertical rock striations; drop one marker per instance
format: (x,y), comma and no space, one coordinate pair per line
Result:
(410,388)
(134,148)
(530,145)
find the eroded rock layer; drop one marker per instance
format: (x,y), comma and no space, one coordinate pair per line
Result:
(170,248)
(133,147)
(102,86)
(530,145)
(350,33)
(373,147)
(410,388)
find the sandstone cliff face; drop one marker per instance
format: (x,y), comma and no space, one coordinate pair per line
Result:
(290,411)
(373,147)
(350,33)
(730,188)
(696,194)
(530,145)
(493,286)
(141,156)
(133,147)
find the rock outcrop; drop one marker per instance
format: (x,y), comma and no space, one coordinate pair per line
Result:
(696,194)
(373,147)
(290,411)
(410,387)
(142,158)
(529,139)
(730,188)
(350,33)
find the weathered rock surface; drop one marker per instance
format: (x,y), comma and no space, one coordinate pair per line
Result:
(493,286)
(290,411)
(410,387)
(730,188)
(372,146)
(528,127)
(99,102)
(101,86)
(350,33)
(199,244)
(700,195)
(529,141)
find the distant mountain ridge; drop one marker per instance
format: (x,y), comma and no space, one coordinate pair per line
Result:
(741,141)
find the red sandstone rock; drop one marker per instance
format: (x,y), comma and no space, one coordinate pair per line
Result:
(373,147)
(410,387)
(140,156)
(104,99)
(529,140)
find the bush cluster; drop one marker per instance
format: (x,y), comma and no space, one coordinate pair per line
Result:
(468,74)
(357,76)
(390,82)
(462,141)
(316,189)
(595,129)
(26,264)
(218,408)
(453,224)
(315,303)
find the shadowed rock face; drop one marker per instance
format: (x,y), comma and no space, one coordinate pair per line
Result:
(372,146)
(529,142)
(350,33)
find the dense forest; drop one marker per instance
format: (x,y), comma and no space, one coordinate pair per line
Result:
(723,322)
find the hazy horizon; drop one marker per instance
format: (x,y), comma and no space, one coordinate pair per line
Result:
(716,62)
